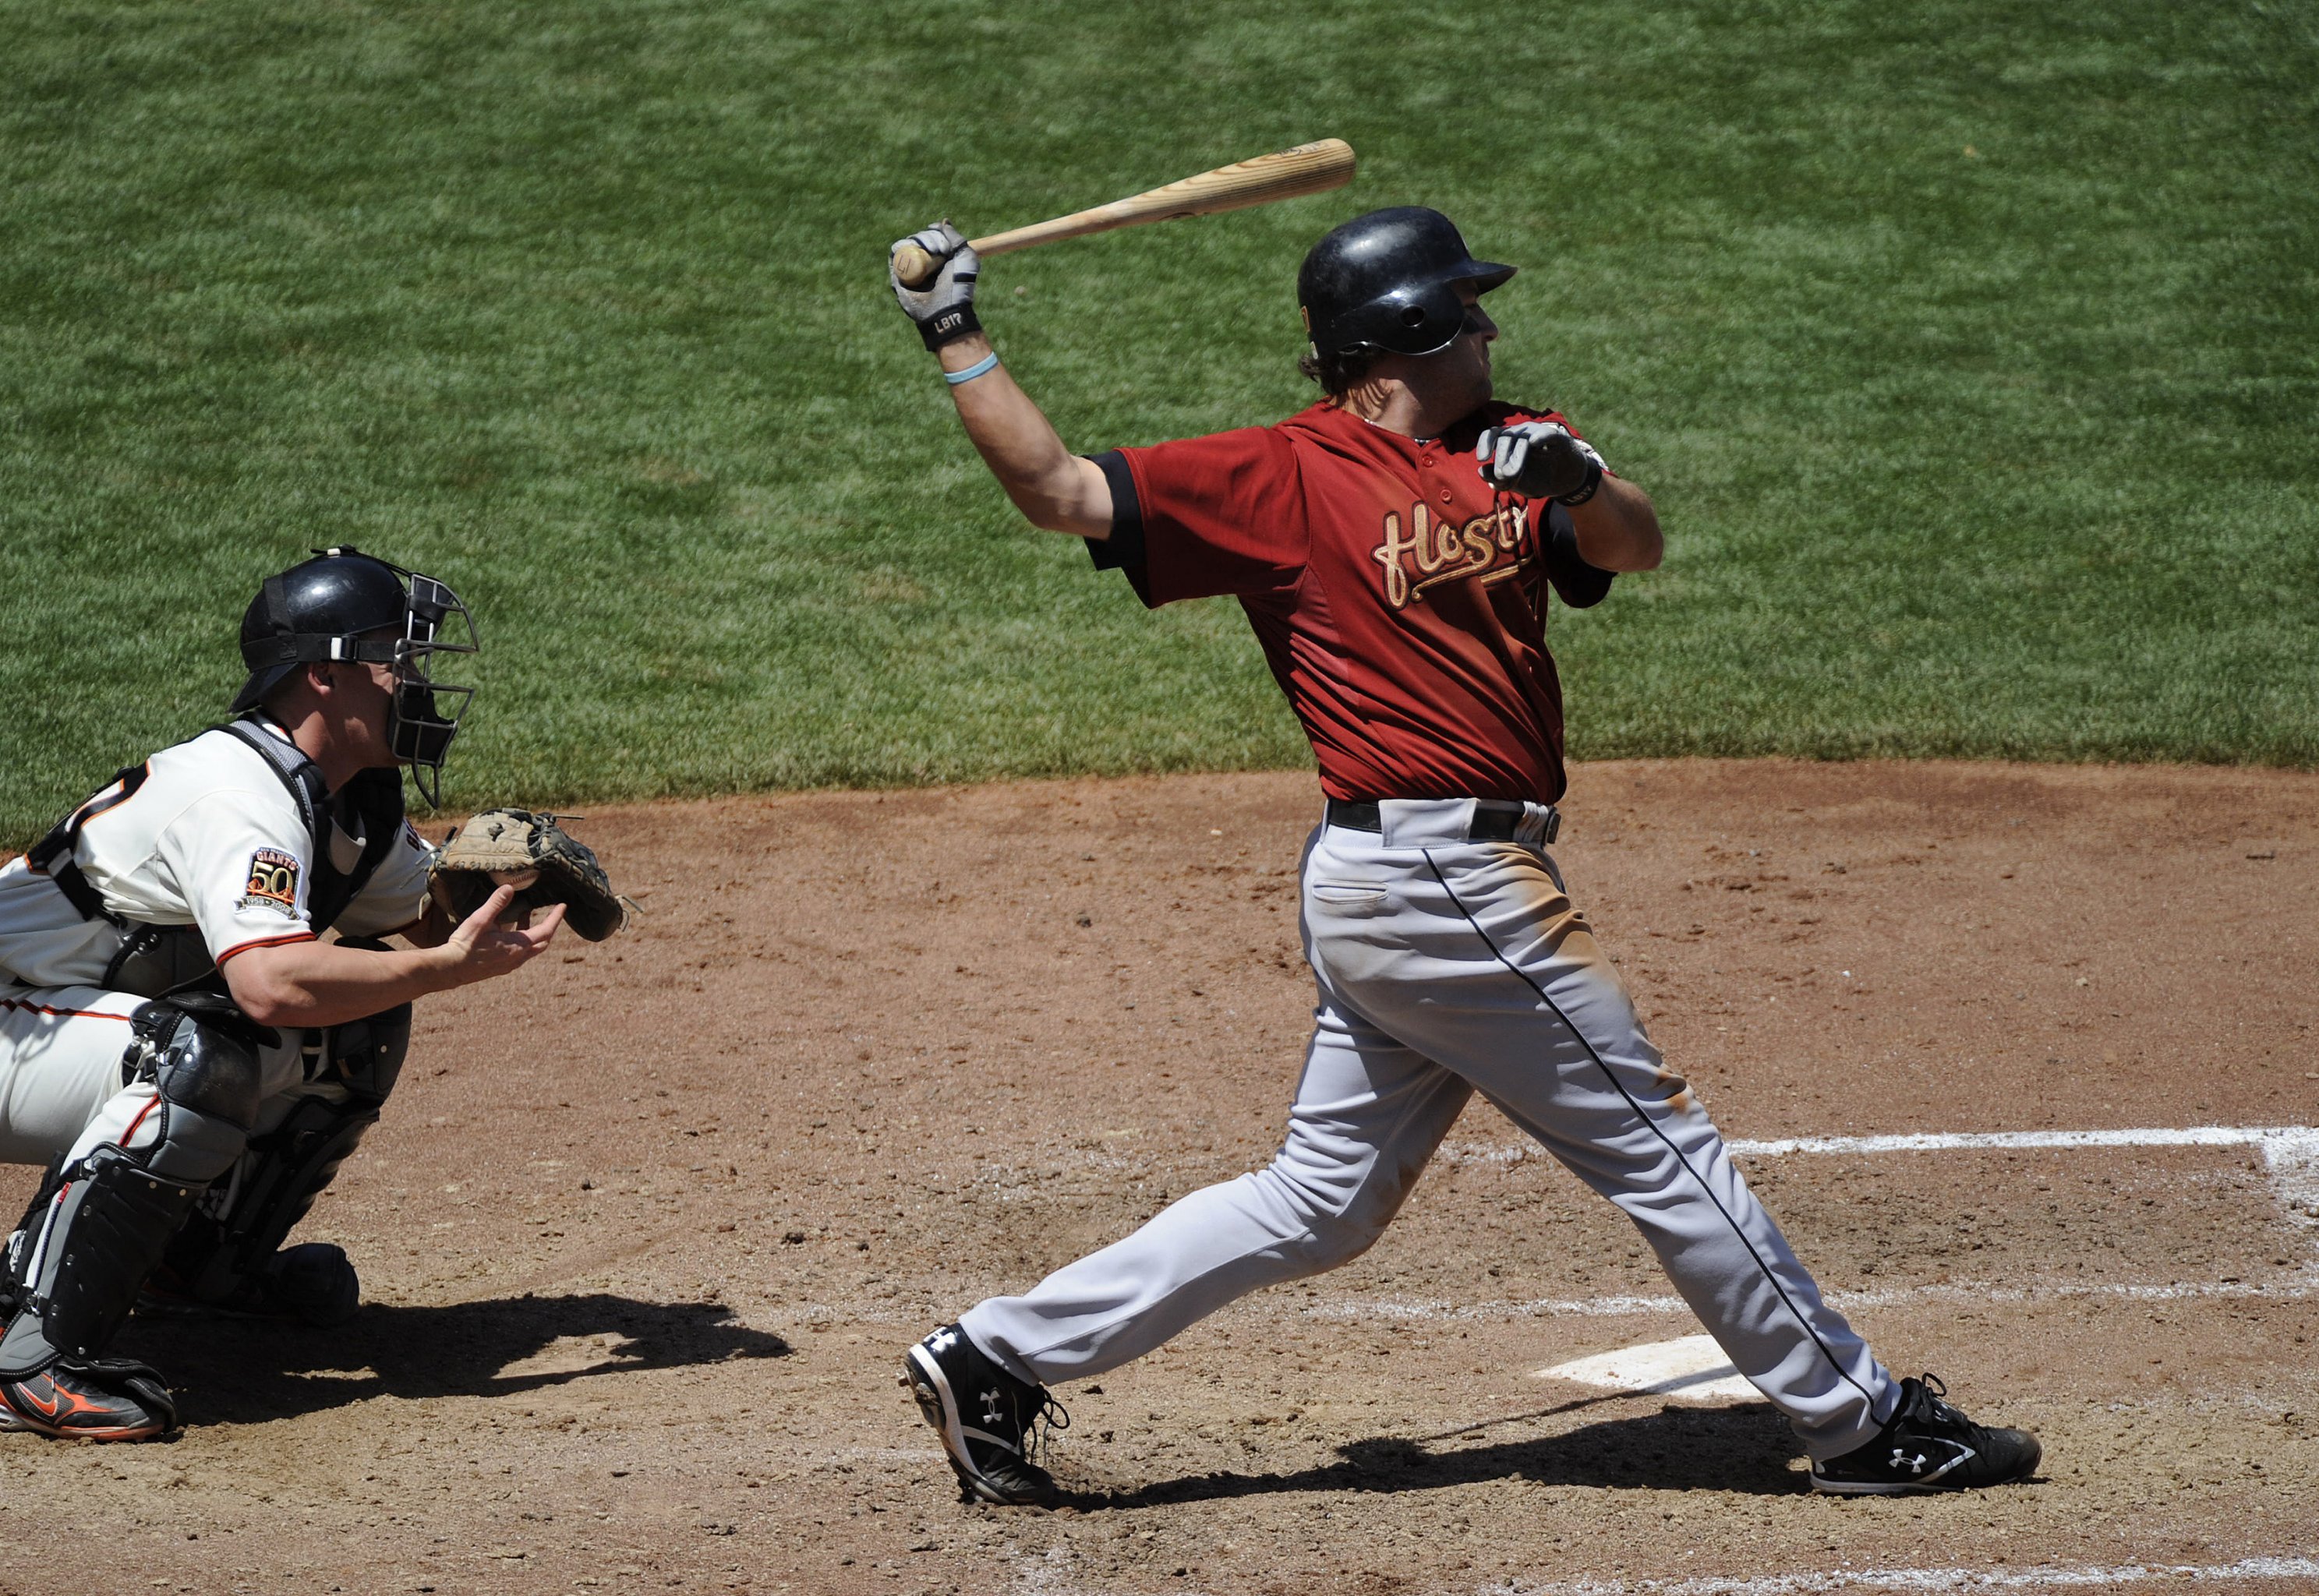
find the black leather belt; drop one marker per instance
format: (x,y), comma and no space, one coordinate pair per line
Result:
(1490,826)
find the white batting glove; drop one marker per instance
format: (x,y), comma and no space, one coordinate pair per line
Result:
(1540,460)
(943,309)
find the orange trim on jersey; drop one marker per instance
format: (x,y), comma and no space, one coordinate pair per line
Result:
(61,1014)
(99,803)
(140,1120)
(264,942)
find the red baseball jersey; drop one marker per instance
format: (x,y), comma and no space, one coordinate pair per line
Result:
(1400,599)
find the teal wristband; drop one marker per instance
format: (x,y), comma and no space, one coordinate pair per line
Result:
(988,363)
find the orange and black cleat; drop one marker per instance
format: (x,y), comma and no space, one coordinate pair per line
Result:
(97,1399)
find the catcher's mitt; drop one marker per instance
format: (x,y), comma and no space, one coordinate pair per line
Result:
(530,853)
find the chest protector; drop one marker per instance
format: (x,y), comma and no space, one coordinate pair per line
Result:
(157,959)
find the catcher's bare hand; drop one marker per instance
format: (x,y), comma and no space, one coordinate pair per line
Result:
(493,941)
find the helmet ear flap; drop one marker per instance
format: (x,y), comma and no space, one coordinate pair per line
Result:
(1423,319)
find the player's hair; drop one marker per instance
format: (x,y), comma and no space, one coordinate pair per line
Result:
(1338,374)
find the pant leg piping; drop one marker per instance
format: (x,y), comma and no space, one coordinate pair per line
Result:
(1656,1130)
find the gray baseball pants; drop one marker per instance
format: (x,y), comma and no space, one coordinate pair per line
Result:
(1446,967)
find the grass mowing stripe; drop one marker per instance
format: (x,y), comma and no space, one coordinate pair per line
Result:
(1968,352)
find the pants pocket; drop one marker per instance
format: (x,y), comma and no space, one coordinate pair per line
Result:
(1348,899)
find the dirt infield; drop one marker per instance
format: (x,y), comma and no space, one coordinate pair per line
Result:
(647,1227)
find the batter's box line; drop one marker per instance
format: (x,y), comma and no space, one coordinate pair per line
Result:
(2290,1153)
(2298,1286)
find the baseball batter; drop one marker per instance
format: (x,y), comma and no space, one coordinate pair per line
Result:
(177,1044)
(1394,547)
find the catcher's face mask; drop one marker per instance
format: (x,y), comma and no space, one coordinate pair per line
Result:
(347,605)
(426,712)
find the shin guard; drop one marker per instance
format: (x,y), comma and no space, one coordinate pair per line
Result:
(107,1230)
(234,1236)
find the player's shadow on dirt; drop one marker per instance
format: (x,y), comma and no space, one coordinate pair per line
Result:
(239,1372)
(1743,1448)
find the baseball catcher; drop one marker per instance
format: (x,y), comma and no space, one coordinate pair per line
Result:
(199,1013)
(1394,546)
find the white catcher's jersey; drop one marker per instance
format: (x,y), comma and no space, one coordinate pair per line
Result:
(211,839)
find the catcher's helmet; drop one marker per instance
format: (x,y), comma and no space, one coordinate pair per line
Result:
(331,608)
(1388,281)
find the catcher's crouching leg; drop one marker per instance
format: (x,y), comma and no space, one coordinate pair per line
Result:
(229,1258)
(193,1082)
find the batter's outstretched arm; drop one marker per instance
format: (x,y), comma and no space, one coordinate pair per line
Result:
(1618,529)
(1052,487)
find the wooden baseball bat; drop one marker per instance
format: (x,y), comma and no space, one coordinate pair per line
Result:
(1284,175)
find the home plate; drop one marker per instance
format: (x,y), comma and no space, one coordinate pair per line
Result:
(1692,1367)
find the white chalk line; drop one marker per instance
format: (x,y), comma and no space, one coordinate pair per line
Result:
(2291,1288)
(2290,1153)
(2264,1136)
(1924,1579)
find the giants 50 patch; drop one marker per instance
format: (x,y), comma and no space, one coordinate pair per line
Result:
(273,882)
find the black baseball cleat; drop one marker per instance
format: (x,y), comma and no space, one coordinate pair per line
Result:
(990,1422)
(313,1282)
(1929,1446)
(97,1399)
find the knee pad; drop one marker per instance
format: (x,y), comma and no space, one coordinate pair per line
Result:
(364,1055)
(204,1066)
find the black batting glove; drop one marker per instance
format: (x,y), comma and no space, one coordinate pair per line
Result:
(943,309)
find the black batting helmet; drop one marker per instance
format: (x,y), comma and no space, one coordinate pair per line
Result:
(1388,281)
(333,606)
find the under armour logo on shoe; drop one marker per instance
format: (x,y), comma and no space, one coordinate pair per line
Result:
(1900,1459)
(991,1411)
(942,1340)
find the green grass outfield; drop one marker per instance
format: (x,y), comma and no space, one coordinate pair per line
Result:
(1968,348)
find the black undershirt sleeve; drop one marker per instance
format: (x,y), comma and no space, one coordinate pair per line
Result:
(1123,551)
(1580,585)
